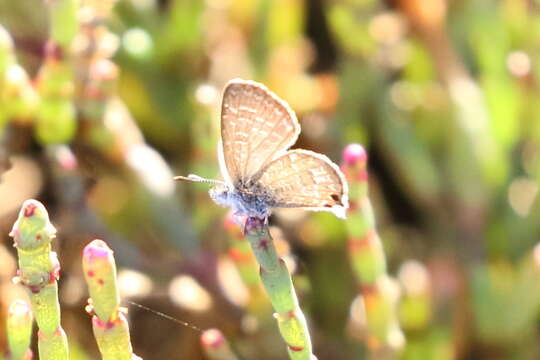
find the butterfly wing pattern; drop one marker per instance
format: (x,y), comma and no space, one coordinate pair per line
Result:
(257,128)
(305,179)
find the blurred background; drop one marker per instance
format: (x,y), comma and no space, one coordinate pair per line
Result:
(101,105)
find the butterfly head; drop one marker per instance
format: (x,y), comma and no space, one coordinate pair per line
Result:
(221,194)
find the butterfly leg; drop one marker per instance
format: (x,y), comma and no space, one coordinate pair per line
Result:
(239,218)
(251,219)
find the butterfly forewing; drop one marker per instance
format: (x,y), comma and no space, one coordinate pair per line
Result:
(256,127)
(301,178)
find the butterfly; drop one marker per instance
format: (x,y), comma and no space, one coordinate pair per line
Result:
(260,172)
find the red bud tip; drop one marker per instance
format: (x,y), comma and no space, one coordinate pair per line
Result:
(30,207)
(96,249)
(354,153)
(212,338)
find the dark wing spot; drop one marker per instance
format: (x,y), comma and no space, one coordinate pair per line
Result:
(335,197)
(327,205)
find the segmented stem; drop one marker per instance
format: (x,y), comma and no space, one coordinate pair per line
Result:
(39,271)
(379,292)
(110,325)
(215,345)
(19,330)
(278,284)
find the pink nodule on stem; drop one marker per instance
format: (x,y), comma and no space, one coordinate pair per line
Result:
(253,224)
(353,154)
(286,315)
(263,244)
(291,314)
(90,273)
(104,324)
(362,176)
(296,348)
(212,338)
(35,289)
(98,322)
(54,275)
(357,244)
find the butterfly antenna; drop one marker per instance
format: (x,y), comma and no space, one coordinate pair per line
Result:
(197,178)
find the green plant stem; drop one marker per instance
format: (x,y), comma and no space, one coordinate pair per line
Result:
(110,326)
(19,330)
(246,264)
(64,22)
(415,308)
(379,291)
(39,271)
(279,287)
(215,345)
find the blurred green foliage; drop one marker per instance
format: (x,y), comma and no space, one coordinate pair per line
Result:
(443,94)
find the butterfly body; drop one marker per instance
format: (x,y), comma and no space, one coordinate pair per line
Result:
(260,172)
(245,201)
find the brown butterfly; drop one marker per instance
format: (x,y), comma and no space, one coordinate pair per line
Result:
(260,172)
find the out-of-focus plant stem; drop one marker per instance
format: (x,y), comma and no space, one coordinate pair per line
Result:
(19,330)
(64,23)
(415,308)
(216,346)
(472,120)
(246,264)
(56,120)
(379,291)
(278,284)
(110,325)
(39,271)
(18,98)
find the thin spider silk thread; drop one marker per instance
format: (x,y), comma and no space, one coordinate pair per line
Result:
(168,317)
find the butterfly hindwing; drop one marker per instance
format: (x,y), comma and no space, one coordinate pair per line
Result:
(305,179)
